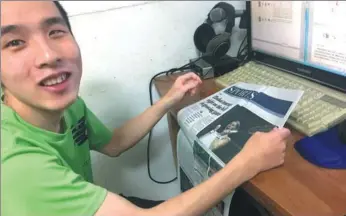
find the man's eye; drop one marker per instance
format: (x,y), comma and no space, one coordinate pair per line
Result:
(14,43)
(56,33)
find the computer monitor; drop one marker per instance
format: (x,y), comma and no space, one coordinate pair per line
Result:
(306,38)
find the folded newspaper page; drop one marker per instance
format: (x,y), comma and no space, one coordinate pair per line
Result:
(219,125)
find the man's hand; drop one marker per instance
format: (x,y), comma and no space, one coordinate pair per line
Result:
(185,84)
(264,151)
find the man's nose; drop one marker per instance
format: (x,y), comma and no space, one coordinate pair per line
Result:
(47,54)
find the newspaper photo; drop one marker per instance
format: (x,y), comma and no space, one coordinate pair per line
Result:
(272,104)
(218,126)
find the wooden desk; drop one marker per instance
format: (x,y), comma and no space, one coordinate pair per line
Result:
(297,188)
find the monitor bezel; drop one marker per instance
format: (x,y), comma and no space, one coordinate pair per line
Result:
(326,78)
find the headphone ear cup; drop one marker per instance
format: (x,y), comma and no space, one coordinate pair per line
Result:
(203,35)
(219,45)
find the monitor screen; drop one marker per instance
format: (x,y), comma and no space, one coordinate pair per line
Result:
(311,33)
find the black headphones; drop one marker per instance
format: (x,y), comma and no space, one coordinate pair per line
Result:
(205,38)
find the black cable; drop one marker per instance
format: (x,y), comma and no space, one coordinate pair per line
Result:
(185,66)
(171,71)
(150,132)
(242,50)
(243,56)
(241,45)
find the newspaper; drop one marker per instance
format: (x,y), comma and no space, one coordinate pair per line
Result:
(218,126)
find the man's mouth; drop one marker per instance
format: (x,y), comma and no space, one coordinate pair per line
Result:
(55,80)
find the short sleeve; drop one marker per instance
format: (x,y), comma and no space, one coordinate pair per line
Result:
(98,133)
(35,184)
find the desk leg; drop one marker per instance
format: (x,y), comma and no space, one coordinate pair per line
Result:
(173,127)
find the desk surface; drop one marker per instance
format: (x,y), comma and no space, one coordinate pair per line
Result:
(296,188)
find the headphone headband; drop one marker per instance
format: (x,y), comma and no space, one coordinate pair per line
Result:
(229,13)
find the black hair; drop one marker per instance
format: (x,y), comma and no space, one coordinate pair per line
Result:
(63,14)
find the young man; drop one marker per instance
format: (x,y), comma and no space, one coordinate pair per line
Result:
(48,131)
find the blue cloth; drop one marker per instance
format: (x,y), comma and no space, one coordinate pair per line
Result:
(324,149)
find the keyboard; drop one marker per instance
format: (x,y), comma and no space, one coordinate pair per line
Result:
(319,109)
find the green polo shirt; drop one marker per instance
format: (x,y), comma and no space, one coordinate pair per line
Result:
(49,174)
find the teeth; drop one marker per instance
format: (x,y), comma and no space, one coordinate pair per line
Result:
(55,81)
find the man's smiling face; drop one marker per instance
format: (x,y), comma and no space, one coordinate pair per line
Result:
(40,60)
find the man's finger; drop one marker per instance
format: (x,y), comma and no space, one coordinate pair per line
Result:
(186,77)
(190,85)
(284,133)
(193,91)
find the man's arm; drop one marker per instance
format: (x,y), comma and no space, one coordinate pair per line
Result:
(193,202)
(135,129)
(262,151)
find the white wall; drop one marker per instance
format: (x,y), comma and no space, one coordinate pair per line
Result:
(123,45)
